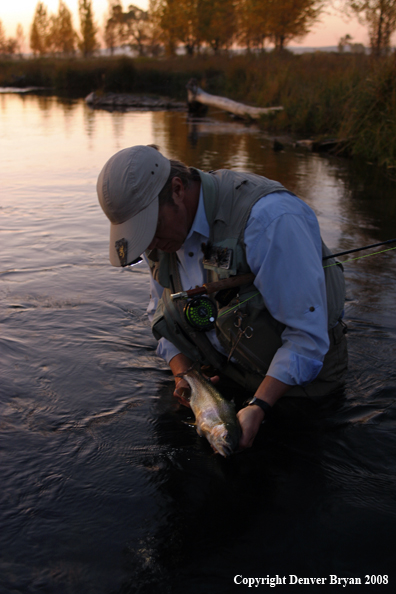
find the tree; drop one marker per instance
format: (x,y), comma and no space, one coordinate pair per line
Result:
(218,23)
(39,30)
(380,18)
(53,33)
(354,48)
(291,19)
(110,35)
(135,30)
(2,36)
(62,37)
(195,22)
(87,44)
(9,45)
(344,42)
(3,41)
(166,16)
(20,39)
(189,25)
(132,28)
(252,23)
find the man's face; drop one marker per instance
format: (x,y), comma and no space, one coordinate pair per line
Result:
(172,228)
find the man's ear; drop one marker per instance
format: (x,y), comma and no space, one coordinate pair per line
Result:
(178,190)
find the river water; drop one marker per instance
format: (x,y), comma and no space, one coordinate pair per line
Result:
(104,488)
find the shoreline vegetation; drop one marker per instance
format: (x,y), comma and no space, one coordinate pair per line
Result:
(340,96)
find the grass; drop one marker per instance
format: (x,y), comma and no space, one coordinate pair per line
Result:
(344,96)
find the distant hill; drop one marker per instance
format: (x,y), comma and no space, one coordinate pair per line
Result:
(296,49)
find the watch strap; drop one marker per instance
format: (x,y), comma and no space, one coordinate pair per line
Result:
(267,408)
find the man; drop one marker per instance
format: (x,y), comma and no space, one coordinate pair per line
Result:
(280,335)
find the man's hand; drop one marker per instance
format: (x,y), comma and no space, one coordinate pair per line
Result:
(251,417)
(179,365)
(182,391)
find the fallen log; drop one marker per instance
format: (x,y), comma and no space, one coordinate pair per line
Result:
(196,95)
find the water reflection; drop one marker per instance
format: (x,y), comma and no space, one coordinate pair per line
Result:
(104,488)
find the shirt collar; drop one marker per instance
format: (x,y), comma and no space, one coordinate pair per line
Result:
(200,224)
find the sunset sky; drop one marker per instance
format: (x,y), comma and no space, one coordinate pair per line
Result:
(324,33)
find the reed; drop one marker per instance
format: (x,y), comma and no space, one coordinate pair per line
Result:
(72,77)
(343,96)
(369,117)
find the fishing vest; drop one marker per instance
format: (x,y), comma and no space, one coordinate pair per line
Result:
(229,197)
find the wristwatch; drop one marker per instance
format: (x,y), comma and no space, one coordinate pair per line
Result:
(267,408)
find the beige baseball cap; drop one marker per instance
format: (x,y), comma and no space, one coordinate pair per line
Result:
(128,188)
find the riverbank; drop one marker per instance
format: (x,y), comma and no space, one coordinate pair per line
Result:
(325,95)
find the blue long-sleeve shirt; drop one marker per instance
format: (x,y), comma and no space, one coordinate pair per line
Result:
(284,251)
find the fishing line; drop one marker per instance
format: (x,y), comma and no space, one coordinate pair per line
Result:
(239,304)
(359,257)
(327,266)
(366,247)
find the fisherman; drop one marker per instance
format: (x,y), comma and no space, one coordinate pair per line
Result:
(281,335)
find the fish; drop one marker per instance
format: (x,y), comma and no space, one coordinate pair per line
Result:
(214,415)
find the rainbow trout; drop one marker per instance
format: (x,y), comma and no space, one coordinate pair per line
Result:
(215,416)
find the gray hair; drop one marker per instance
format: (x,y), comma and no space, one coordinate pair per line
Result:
(183,172)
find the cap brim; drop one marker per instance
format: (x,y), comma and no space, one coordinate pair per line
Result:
(137,231)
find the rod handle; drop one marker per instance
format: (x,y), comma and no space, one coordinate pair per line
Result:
(208,288)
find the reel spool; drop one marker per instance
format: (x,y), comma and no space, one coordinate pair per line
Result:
(201,313)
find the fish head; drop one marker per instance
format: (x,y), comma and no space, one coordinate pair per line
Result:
(223,439)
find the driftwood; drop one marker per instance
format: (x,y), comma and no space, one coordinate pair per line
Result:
(336,147)
(22,90)
(196,95)
(124,101)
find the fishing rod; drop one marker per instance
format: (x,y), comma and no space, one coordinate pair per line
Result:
(215,286)
(366,247)
(244,279)
(201,313)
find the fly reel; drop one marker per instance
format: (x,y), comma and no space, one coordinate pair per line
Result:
(201,313)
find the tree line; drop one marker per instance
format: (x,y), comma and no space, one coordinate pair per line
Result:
(11,45)
(55,34)
(195,25)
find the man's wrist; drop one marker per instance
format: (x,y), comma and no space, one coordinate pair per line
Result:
(262,404)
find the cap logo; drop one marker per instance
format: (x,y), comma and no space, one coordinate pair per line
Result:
(121,247)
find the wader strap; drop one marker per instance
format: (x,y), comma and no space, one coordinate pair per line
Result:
(209,189)
(335,287)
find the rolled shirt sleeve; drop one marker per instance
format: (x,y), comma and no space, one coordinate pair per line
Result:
(284,251)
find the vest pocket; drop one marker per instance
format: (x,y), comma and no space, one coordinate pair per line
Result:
(256,349)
